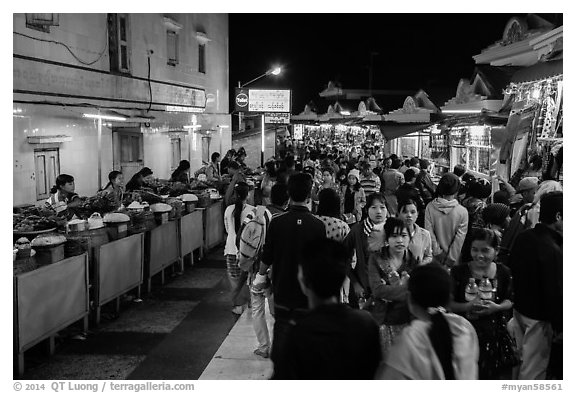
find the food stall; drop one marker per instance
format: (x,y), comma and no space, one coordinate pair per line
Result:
(534,133)
(96,259)
(47,300)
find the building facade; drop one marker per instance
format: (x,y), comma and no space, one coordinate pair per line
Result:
(99,92)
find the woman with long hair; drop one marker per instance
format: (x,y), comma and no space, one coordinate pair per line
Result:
(437,344)
(420,241)
(354,198)
(388,273)
(114,188)
(268,181)
(364,237)
(181,174)
(489,310)
(234,216)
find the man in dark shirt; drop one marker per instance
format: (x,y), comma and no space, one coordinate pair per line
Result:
(287,235)
(424,182)
(536,263)
(333,341)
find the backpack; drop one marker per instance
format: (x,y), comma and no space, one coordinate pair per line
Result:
(250,239)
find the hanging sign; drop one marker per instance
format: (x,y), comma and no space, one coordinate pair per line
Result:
(276,118)
(298,132)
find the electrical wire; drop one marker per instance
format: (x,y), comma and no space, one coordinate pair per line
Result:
(149,85)
(70,50)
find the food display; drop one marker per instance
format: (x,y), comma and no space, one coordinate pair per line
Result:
(160,208)
(115,218)
(35,219)
(48,240)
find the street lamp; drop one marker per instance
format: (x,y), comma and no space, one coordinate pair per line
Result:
(273,71)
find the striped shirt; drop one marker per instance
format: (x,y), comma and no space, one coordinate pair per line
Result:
(370,183)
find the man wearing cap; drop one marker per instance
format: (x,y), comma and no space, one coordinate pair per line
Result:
(447,222)
(519,222)
(524,193)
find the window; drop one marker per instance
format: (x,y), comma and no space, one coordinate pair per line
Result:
(202,58)
(172,45)
(42,22)
(119,38)
(131,148)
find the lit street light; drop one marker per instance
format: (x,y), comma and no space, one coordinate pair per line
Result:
(273,71)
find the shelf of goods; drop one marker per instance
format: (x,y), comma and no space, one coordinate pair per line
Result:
(47,300)
(191,234)
(118,268)
(214,224)
(161,249)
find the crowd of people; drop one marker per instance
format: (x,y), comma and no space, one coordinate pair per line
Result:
(374,270)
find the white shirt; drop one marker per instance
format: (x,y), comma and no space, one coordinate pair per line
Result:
(230,247)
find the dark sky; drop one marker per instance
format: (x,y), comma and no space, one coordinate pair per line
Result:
(428,51)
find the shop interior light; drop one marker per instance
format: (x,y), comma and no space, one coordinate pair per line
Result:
(536,93)
(104,117)
(276,71)
(462,111)
(345,113)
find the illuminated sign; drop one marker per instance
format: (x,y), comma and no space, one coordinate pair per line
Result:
(298,132)
(262,100)
(276,118)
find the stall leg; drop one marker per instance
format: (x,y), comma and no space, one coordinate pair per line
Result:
(149,285)
(20,363)
(138,291)
(97,315)
(85,324)
(181,263)
(51,345)
(162,277)
(117,305)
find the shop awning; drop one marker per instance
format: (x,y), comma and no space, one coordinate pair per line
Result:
(395,130)
(539,71)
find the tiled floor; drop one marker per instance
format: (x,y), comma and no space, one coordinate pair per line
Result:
(235,358)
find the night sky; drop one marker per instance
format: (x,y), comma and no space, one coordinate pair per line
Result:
(415,51)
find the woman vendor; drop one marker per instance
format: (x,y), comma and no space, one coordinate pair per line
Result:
(139,179)
(63,196)
(181,174)
(114,188)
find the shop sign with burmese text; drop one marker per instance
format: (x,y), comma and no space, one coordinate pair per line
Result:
(262,100)
(276,118)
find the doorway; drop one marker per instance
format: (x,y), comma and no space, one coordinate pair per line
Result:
(128,143)
(47,168)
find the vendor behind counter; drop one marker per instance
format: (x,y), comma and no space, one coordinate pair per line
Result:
(181,174)
(140,179)
(63,198)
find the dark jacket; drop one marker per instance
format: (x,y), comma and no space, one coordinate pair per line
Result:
(408,191)
(358,241)
(287,235)
(332,342)
(425,185)
(180,175)
(536,264)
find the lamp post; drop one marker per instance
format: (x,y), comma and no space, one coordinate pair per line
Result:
(220,127)
(273,71)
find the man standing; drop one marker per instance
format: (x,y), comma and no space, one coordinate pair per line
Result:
(536,264)
(447,222)
(287,235)
(369,181)
(424,182)
(333,341)
(391,180)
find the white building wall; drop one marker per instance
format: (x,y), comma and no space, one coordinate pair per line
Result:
(86,36)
